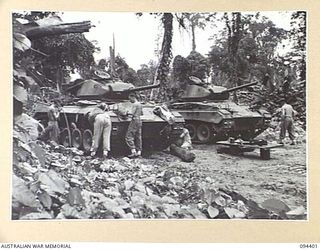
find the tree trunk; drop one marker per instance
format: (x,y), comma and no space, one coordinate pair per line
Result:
(166,55)
(193,36)
(234,29)
(184,154)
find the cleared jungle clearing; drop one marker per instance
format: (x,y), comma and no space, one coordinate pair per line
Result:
(282,177)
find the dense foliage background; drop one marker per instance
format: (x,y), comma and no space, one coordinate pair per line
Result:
(51,181)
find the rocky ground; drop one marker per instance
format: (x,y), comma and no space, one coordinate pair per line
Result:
(53,182)
(282,177)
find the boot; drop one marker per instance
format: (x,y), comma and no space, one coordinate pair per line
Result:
(105,153)
(133,153)
(280,141)
(293,142)
(138,153)
(92,152)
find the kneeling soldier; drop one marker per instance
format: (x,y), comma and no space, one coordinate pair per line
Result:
(52,130)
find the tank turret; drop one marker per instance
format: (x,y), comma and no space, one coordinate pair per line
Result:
(105,90)
(197,91)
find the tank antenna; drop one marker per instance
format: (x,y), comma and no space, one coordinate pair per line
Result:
(112,58)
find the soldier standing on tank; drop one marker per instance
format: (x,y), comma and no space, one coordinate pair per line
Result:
(287,114)
(133,136)
(101,129)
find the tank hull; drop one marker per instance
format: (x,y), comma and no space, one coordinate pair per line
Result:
(212,121)
(155,132)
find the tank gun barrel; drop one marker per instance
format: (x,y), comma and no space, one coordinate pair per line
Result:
(240,87)
(144,88)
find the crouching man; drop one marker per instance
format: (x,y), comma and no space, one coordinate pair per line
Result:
(134,134)
(52,130)
(182,147)
(186,139)
(101,129)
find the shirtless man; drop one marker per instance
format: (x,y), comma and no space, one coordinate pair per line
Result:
(287,115)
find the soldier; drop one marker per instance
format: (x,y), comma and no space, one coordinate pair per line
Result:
(101,129)
(53,128)
(133,136)
(186,139)
(287,114)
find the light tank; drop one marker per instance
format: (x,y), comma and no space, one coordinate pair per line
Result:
(85,95)
(210,115)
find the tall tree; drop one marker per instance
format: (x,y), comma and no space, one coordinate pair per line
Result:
(194,21)
(248,50)
(166,56)
(235,30)
(163,69)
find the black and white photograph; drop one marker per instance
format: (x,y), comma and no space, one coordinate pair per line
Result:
(156,116)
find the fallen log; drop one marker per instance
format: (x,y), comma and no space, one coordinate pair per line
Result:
(58,29)
(184,154)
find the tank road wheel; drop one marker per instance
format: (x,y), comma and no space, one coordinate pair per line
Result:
(76,138)
(192,130)
(87,140)
(64,137)
(204,134)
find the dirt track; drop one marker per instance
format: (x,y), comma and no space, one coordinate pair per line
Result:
(282,177)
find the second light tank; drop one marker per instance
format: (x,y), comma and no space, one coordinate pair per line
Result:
(210,115)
